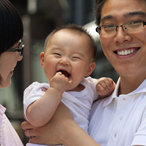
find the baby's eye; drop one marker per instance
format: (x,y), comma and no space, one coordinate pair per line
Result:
(76,57)
(57,54)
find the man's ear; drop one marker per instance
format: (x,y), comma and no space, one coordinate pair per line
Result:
(90,69)
(42,59)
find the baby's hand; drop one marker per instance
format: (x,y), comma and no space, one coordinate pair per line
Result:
(60,82)
(105,87)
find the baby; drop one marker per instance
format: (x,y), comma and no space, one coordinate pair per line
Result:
(67,60)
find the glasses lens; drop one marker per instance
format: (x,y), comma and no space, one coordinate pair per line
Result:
(108,30)
(21,53)
(134,27)
(21,47)
(129,28)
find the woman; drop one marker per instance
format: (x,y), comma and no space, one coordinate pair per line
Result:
(11,48)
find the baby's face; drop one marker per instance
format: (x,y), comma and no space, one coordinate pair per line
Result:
(67,52)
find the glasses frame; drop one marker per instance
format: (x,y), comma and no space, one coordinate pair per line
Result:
(98,28)
(19,48)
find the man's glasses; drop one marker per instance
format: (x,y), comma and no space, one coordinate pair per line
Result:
(19,48)
(130,28)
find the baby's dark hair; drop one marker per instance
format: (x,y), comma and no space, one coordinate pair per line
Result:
(78,29)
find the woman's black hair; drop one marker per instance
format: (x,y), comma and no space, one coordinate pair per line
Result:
(11,27)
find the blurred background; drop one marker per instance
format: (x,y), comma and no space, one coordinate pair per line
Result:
(40,17)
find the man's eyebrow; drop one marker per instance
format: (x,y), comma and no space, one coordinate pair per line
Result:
(125,15)
(107,17)
(141,13)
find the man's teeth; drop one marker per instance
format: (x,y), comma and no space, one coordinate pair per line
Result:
(126,52)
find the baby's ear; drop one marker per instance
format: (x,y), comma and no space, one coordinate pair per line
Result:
(42,59)
(90,69)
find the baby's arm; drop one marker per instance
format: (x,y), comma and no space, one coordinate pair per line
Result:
(41,111)
(105,87)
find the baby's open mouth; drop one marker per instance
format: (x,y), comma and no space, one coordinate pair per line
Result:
(65,73)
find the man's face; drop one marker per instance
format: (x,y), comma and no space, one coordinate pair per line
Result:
(118,12)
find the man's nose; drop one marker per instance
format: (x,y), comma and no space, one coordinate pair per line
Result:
(121,36)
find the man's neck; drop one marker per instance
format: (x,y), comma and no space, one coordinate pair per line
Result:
(129,84)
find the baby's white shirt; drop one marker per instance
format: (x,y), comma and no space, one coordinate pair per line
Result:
(79,103)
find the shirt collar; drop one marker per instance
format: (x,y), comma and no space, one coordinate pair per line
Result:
(113,95)
(140,89)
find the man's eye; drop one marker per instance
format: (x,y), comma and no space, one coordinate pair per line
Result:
(109,26)
(135,22)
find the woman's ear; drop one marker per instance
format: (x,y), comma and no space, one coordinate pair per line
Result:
(42,59)
(90,69)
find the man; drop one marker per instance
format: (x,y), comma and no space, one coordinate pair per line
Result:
(121,119)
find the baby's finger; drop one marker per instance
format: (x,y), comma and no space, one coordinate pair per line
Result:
(108,84)
(100,89)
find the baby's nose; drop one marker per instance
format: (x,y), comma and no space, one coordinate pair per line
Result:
(64,61)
